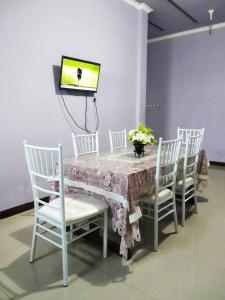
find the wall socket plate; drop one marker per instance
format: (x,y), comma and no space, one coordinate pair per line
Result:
(153,106)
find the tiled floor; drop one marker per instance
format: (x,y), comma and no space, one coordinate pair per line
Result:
(189,265)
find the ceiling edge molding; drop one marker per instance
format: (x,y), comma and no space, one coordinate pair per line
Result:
(187,32)
(139,6)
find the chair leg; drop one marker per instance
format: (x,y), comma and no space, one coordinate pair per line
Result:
(105,238)
(141,204)
(71,233)
(34,241)
(195,199)
(156,232)
(175,215)
(183,213)
(183,208)
(65,261)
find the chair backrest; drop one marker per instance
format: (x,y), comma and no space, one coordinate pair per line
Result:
(45,165)
(167,162)
(118,139)
(192,149)
(183,133)
(85,144)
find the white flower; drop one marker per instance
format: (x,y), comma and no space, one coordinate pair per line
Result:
(140,136)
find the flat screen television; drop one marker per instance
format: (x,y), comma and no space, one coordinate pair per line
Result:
(79,75)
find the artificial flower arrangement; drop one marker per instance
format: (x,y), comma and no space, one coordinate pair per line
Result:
(141,136)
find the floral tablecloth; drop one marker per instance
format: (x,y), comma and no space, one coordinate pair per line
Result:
(122,173)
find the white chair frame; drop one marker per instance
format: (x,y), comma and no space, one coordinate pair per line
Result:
(192,148)
(85,144)
(183,133)
(118,139)
(41,163)
(166,171)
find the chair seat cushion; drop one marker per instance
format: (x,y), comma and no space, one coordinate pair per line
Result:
(189,181)
(77,208)
(163,196)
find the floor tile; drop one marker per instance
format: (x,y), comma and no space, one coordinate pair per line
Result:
(3,295)
(189,265)
(93,285)
(185,279)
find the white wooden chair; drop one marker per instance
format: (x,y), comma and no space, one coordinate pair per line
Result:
(186,187)
(85,144)
(118,139)
(183,133)
(54,217)
(163,202)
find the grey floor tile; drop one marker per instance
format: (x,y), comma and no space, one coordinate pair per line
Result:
(4,295)
(186,278)
(189,265)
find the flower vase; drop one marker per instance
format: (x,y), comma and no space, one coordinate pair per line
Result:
(139,149)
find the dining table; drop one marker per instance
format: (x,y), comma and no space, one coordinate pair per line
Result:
(130,177)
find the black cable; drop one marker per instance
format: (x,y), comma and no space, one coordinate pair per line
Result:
(85,115)
(85,124)
(70,113)
(96,114)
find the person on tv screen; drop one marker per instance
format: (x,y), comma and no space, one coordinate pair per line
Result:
(79,74)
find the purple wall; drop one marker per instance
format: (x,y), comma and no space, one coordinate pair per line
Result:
(33,36)
(186,76)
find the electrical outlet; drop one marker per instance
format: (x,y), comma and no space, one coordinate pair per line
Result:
(153,106)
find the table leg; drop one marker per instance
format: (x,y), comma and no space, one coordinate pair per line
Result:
(129,254)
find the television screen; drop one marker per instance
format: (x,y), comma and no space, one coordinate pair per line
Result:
(79,74)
